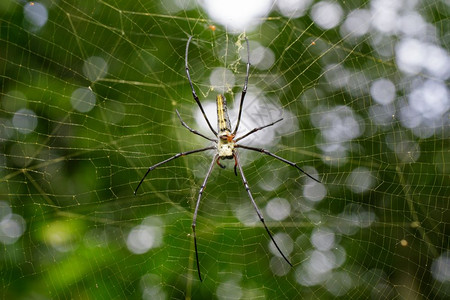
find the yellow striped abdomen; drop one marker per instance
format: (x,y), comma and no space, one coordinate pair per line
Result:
(223,121)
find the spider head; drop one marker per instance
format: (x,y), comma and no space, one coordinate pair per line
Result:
(225,145)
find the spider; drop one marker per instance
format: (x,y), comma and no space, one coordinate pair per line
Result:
(226,145)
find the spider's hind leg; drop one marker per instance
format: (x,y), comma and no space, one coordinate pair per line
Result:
(194,219)
(258,212)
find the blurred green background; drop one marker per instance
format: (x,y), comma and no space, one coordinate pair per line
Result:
(88,93)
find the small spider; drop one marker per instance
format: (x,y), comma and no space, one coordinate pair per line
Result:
(226,145)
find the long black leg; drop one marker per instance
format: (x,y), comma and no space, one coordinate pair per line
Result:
(256,129)
(194,219)
(192,130)
(169,159)
(277,157)
(244,90)
(192,88)
(261,218)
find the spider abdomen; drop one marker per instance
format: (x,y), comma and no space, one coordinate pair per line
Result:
(223,121)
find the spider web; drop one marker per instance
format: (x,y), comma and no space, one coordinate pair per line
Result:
(88,98)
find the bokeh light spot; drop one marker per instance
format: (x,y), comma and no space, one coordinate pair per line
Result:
(326,14)
(278,209)
(12,226)
(383,91)
(83,99)
(25,120)
(95,68)
(222,80)
(35,14)
(361,180)
(237,15)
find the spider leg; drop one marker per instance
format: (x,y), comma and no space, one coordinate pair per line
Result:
(256,129)
(169,159)
(261,218)
(277,157)
(194,219)
(193,90)
(244,90)
(192,130)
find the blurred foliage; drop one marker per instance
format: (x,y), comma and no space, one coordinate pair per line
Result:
(72,178)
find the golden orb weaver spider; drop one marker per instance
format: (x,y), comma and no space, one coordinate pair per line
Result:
(226,145)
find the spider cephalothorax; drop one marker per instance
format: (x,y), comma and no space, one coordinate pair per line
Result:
(226,148)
